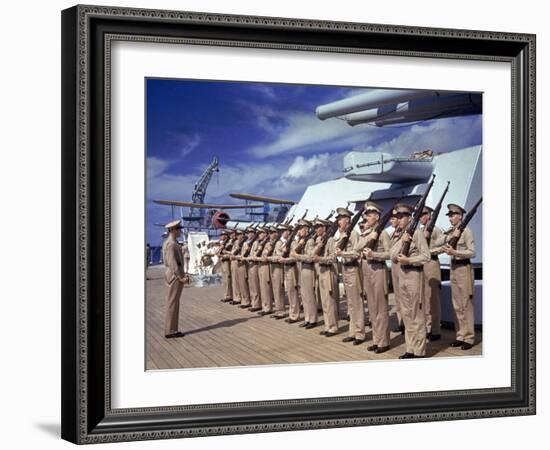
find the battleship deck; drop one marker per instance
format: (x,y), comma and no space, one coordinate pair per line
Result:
(223,335)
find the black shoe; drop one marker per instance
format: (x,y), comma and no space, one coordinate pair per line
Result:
(407,355)
(382,349)
(323,333)
(434,337)
(177,334)
(292,320)
(330,334)
(279,317)
(372,348)
(358,341)
(255,309)
(310,325)
(244,306)
(305,324)
(348,339)
(457,344)
(225,300)
(466,346)
(233,302)
(264,313)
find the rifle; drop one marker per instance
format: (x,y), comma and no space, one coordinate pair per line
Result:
(320,249)
(431,224)
(287,222)
(454,240)
(372,243)
(330,215)
(344,242)
(406,247)
(286,252)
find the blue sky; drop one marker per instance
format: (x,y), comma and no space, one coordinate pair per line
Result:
(267,137)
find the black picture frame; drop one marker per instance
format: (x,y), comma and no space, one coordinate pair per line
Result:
(87,416)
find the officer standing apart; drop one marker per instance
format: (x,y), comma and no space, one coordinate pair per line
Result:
(352,278)
(225,246)
(175,278)
(375,280)
(410,284)
(462,278)
(432,277)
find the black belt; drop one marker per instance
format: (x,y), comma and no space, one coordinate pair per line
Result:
(376,263)
(277,264)
(410,267)
(435,258)
(290,264)
(307,264)
(460,262)
(351,264)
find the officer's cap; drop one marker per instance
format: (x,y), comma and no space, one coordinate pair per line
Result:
(320,223)
(372,207)
(343,212)
(303,223)
(174,225)
(403,208)
(427,210)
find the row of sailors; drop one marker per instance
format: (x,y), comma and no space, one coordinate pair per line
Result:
(258,271)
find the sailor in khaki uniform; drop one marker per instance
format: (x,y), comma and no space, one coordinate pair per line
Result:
(226,243)
(277,273)
(432,277)
(375,282)
(175,278)
(307,274)
(264,273)
(410,284)
(352,278)
(462,278)
(292,277)
(394,236)
(253,278)
(242,268)
(328,282)
(238,241)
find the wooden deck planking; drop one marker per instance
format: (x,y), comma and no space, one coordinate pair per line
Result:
(223,335)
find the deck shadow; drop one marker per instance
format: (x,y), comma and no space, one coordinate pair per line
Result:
(222,324)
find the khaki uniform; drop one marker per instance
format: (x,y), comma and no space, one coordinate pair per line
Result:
(462,285)
(410,292)
(242,272)
(307,283)
(174,263)
(432,284)
(395,278)
(375,284)
(227,276)
(328,286)
(235,250)
(277,279)
(292,282)
(266,293)
(253,278)
(353,286)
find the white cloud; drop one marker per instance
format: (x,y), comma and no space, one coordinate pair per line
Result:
(302,166)
(156,166)
(306,133)
(188,143)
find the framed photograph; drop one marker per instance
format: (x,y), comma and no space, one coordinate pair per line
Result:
(282,224)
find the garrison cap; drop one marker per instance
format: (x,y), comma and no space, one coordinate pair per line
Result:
(403,208)
(427,210)
(174,225)
(343,212)
(371,206)
(455,209)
